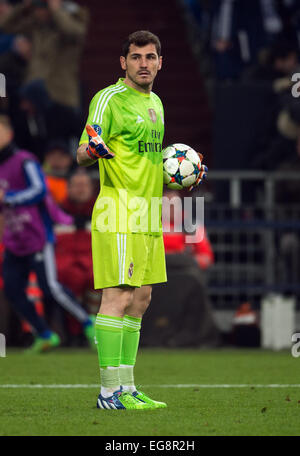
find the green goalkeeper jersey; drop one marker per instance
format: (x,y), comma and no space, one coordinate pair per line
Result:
(131,183)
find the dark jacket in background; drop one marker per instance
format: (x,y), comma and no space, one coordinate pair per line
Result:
(56,48)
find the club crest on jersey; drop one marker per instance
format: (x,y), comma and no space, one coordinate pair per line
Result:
(152,115)
(130,270)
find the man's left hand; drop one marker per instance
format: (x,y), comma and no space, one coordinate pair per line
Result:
(202,175)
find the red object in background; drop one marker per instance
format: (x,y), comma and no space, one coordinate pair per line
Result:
(73,255)
(245,315)
(73,250)
(35,294)
(74,261)
(58,188)
(202,251)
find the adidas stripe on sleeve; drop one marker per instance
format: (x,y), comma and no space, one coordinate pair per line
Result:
(100,112)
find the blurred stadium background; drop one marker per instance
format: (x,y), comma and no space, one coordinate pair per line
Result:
(227,89)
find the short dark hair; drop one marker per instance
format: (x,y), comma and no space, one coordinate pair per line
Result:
(57,144)
(141,38)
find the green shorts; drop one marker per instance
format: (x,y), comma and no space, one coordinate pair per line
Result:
(127,259)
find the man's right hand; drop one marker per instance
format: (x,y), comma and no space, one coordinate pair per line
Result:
(97,148)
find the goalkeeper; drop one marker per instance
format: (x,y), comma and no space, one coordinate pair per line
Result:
(125,129)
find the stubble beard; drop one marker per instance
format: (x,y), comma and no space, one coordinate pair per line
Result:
(146,87)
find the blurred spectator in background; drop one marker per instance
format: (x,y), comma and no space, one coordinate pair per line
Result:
(6,39)
(240,31)
(13,64)
(233,33)
(199,16)
(288,195)
(289,11)
(73,252)
(57,165)
(50,94)
(29,214)
(276,69)
(15,51)
(73,242)
(276,65)
(186,318)
(175,242)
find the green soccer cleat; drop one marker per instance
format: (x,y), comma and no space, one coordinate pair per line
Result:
(122,401)
(146,399)
(89,332)
(42,345)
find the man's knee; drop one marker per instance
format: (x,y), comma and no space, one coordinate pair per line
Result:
(115,301)
(141,301)
(144,297)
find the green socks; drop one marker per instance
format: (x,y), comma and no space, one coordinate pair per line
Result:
(109,334)
(131,337)
(117,345)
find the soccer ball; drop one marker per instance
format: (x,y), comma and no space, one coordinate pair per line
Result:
(181,166)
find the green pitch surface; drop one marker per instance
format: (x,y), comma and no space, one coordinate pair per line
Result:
(38,395)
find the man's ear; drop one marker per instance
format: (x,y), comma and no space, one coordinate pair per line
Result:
(123,63)
(160,63)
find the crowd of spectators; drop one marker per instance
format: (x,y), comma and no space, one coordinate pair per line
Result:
(254,42)
(41,43)
(248,52)
(40,48)
(234,34)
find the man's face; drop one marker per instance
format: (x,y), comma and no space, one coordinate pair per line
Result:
(58,160)
(141,65)
(6,136)
(80,188)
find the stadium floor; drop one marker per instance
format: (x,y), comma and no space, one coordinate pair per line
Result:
(209,393)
